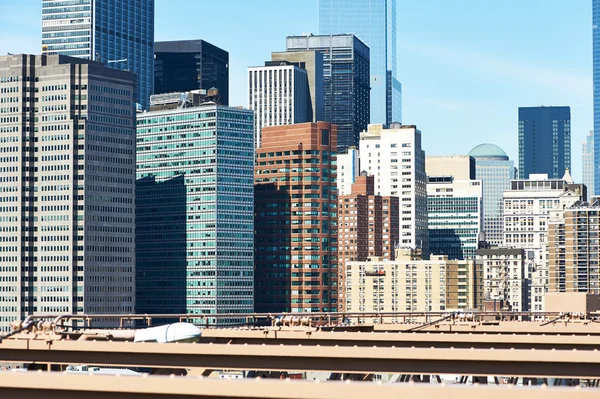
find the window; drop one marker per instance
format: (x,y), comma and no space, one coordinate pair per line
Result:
(324,137)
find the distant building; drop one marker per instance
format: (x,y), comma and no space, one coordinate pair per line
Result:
(596,89)
(186,65)
(527,207)
(410,284)
(345,82)
(396,159)
(505,281)
(544,141)
(460,167)
(367,226)
(587,158)
(296,220)
(348,169)
(374,22)
(195,209)
(278,93)
(573,250)
(495,171)
(68,191)
(118,33)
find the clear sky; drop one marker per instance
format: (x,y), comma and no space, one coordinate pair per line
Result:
(465,65)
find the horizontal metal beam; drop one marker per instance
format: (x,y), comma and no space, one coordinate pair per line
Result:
(272,336)
(69,386)
(499,362)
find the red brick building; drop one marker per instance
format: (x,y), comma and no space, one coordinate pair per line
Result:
(368,226)
(295,204)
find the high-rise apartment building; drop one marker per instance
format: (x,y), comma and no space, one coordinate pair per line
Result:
(544,141)
(573,235)
(527,207)
(348,170)
(410,284)
(367,226)
(505,281)
(495,171)
(186,65)
(296,221)
(278,93)
(596,88)
(345,82)
(374,22)
(68,201)
(396,159)
(118,33)
(587,160)
(195,205)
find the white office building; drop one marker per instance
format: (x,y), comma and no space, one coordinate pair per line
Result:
(67,230)
(348,169)
(587,163)
(395,157)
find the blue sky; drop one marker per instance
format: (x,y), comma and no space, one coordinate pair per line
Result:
(465,65)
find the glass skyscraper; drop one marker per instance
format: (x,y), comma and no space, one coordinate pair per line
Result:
(345,82)
(596,60)
(544,141)
(195,211)
(587,160)
(119,33)
(373,22)
(495,170)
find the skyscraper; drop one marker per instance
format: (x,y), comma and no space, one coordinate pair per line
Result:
(396,159)
(119,33)
(544,141)
(495,171)
(68,200)
(596,77)
(345,82)
(195,196)
(373,22)
(296,223)
(186,65)
(587,160)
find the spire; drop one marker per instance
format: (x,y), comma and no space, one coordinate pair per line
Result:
(567,177)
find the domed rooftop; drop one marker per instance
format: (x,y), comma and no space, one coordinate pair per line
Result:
(488,151)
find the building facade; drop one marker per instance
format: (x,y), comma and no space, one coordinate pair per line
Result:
(410,284)
(596,89)
(296,254)
(118,33)
(195,204)
(454,215)
(68,201)
(587,161)
(374,22)
(495,171)
(186,65)
(544,141)
(278,93)
(367,226)
(345,82)
(527,207)
(505,281)
(573,249)
(348,170)
(396,159)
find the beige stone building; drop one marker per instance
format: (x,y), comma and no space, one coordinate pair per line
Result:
(410,284)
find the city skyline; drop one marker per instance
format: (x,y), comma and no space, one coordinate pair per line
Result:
(466,77)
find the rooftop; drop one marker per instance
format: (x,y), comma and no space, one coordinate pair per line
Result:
(489,151)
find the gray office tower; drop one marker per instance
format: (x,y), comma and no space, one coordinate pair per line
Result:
(118,33)
(544,141)
(374,22)
(346,82)
(67,144)
(186,65)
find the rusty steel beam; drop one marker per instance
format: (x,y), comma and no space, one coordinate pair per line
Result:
(69,386)
(499,362)
(272,336)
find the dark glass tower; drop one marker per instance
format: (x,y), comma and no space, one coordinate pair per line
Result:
(345,81)
(119,33)
(186,65)
(544,141)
